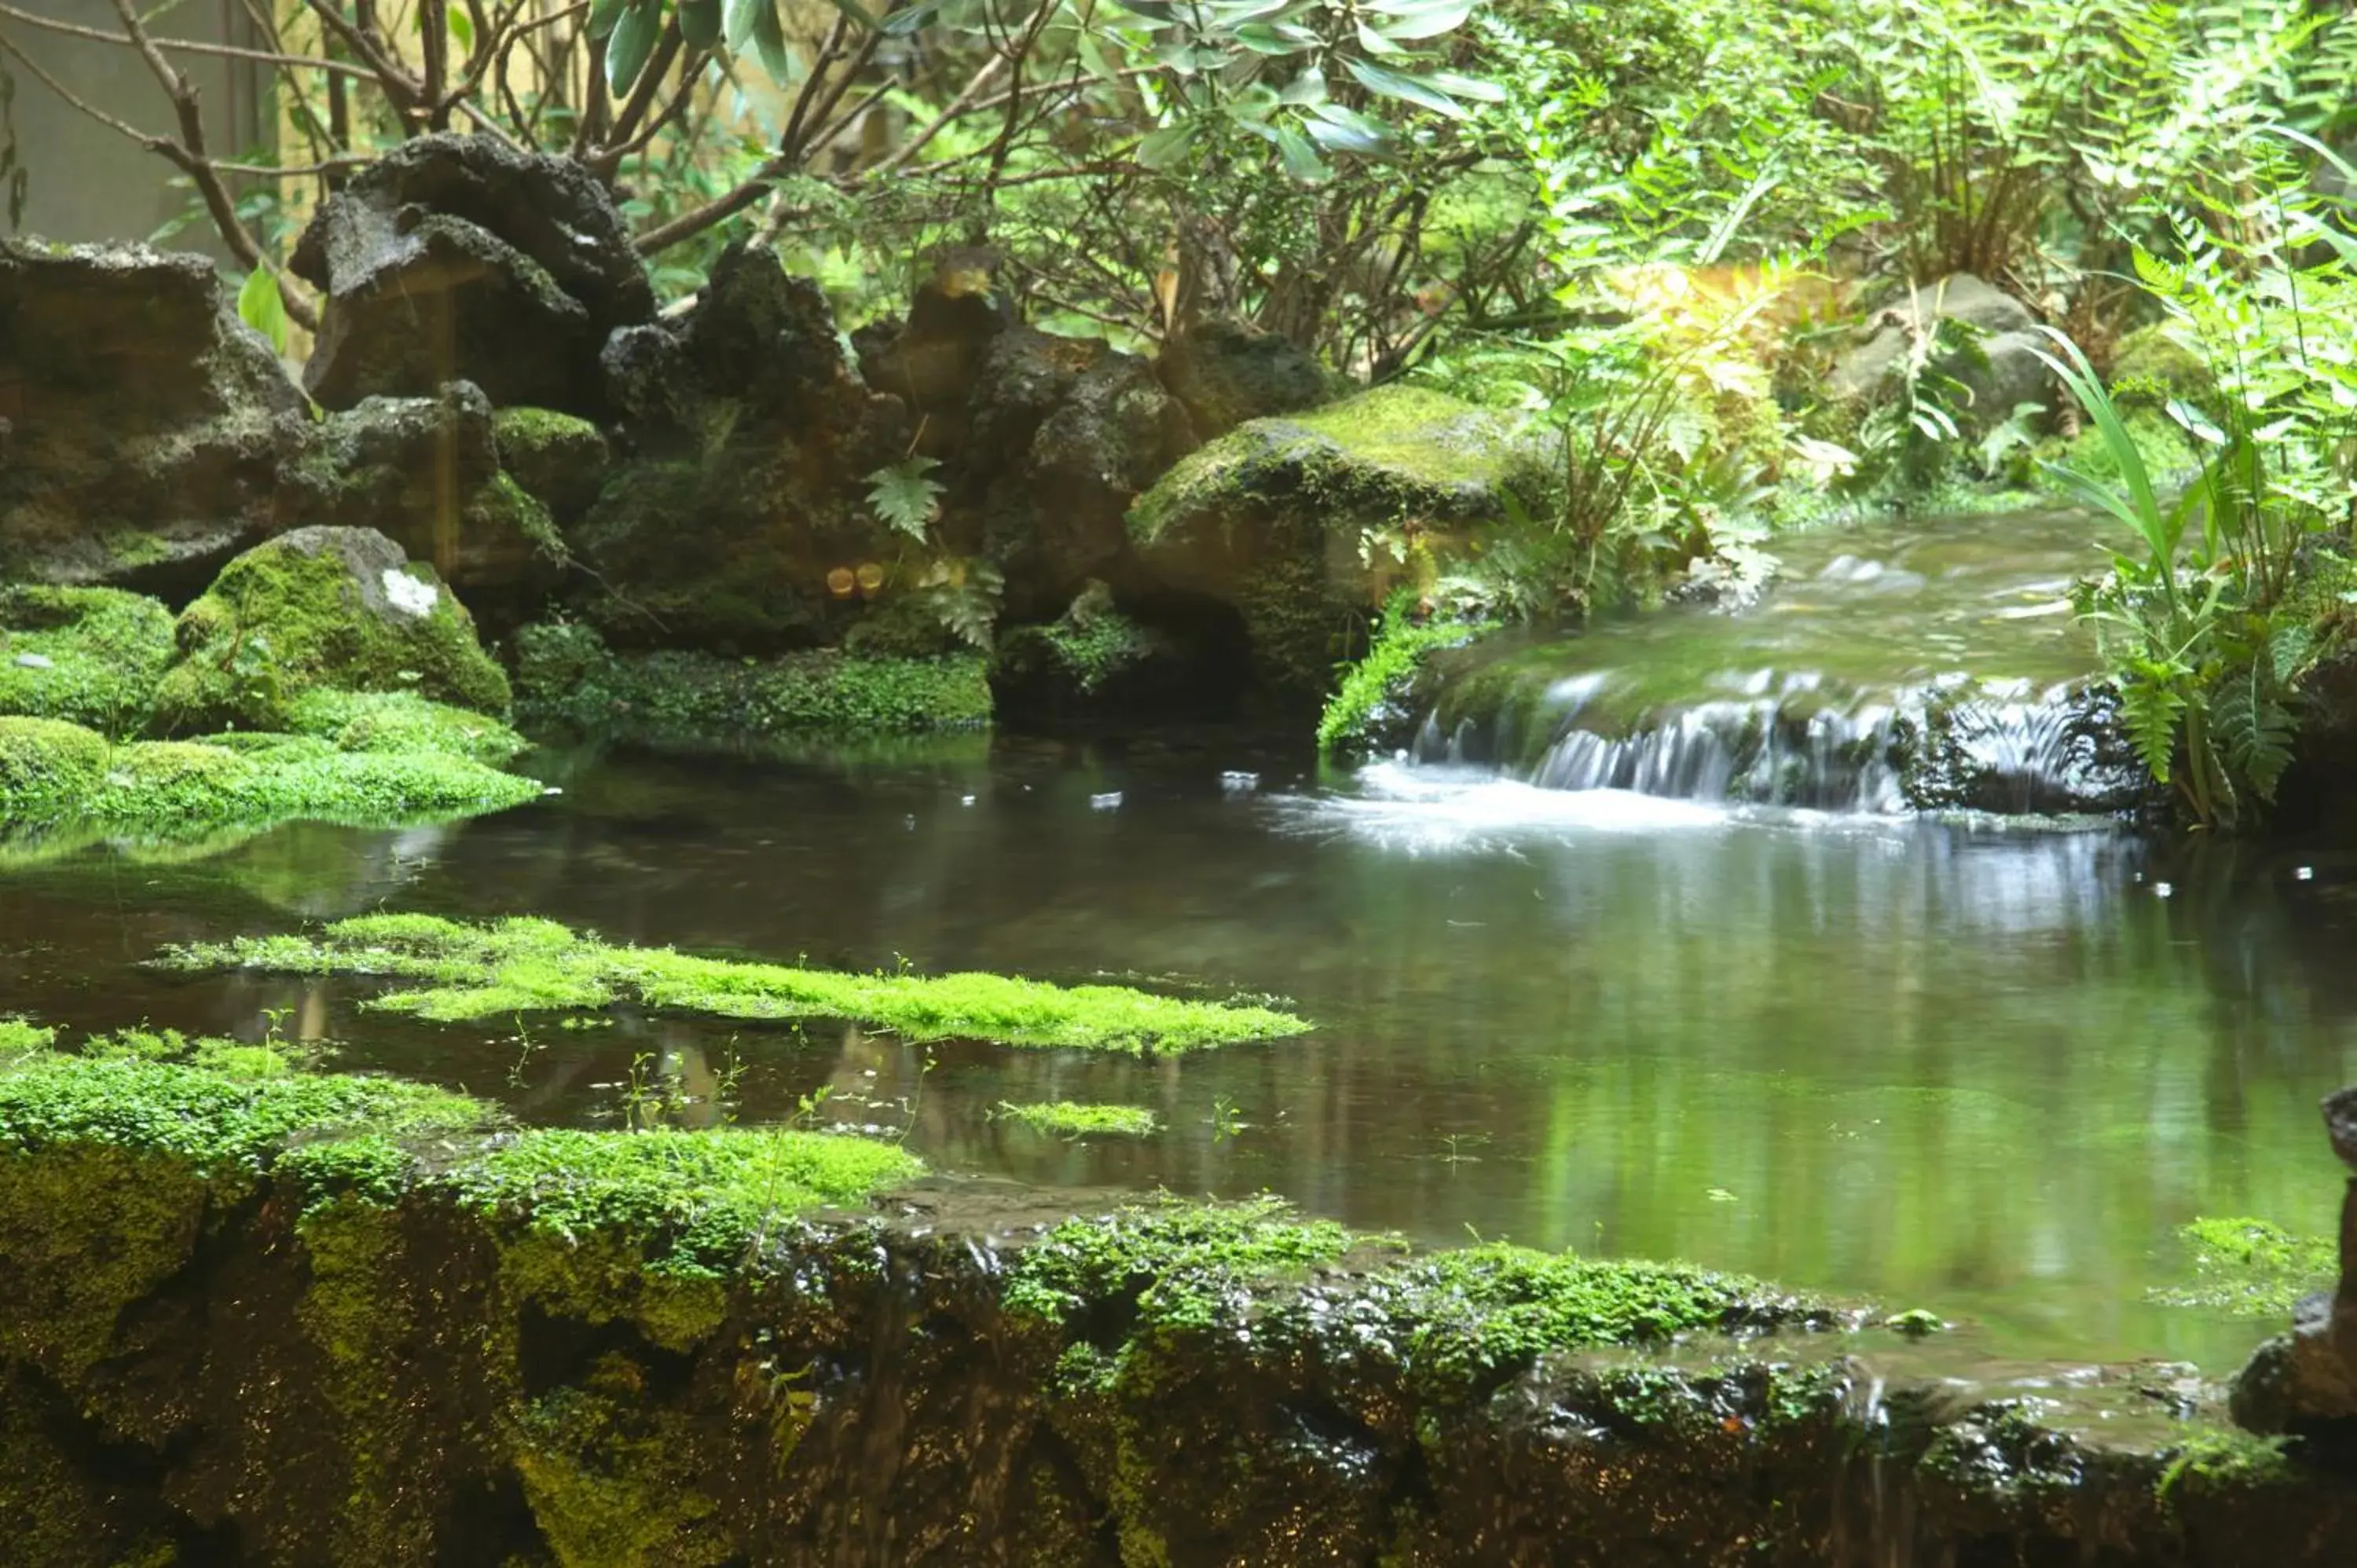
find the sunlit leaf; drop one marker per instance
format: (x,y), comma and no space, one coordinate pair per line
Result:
(1301,159)
(1388,84)
(1348,131)
(740,17)
(1306,90)
(1422,21)
(261,306)
(1167,147)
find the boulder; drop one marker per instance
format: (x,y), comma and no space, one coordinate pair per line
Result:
(321,608)
(2305,1381)
(460,257)
(426,473)
(2000,368)
(747,437)
(1270,518)
(559,459)
(89,656)
(1067,432)
(1226,372)
(144,429)
(933,362)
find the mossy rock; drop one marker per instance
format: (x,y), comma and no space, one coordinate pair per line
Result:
(89,656)
(2150,361)
(47,766)
(558,458)
(321,608)
(566,674)
(1271,517)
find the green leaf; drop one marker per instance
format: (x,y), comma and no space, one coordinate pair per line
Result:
(857,13)
(604,13)
(699,23)
(1306,90)
(739,18)
(1386,84)
(462,29)
(1165,147)
(1422,20)
(906,496)
(1374,43)
(261,306)
(769,44)
(633,41)
(1473,88)
(1301,159)
(1342,130)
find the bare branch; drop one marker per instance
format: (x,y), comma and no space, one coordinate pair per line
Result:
(181,46)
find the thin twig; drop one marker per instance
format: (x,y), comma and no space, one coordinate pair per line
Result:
(183,46)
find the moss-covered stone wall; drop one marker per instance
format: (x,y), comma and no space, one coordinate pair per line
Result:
(253,1317)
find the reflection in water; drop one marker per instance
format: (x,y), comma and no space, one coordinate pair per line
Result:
(1974,1069)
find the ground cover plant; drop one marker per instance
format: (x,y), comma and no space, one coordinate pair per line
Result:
(459,970)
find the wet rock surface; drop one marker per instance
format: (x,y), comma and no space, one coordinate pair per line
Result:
(2305,1382)
(1999,369)
(456,257)
(144,432)
(1226,372)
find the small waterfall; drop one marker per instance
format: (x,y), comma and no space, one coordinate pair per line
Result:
(1938,670)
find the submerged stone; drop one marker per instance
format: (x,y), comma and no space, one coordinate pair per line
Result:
(321,608)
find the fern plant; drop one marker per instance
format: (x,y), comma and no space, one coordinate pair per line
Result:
(905,495)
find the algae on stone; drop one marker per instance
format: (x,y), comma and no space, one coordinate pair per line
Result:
(1064,1118)
(2250,1268)
(1274,517)
(466,972)
(340,608)
(88,656)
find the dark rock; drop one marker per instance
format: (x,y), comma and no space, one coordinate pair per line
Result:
(1226,372)
(749,437)
(2305,1381)
(425,472)
(146,428)
(560,460)
(1999,369)
(333,607)
(1270,518)
(458,257)
(1095,667)
(935,361)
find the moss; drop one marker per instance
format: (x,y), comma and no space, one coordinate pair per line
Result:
(54,774)
(1371,707)
(48,767)
(1379,457)
(2250,1268)
(1064,1118)
(2222,1462)
(301,612)
(381,722)
(705,1199)
(2168,453)
(518,965)
(2151,363)
(615,1482)
(504,506)
(566,674)
(1173,1263)
(88,656)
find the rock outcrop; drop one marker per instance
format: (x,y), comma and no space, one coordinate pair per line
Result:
(1273,518)
(2000,368)
(2305,1382)
(338,608)
(458,258)
(145,431)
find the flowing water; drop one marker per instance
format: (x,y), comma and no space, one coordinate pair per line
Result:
(1957,1064)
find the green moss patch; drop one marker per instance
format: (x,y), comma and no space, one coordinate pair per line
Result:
(1063,1119)
(2250,1268)
(54,774)
(318,607)
(382,722)
(566,674)
(468,971)
(88,656)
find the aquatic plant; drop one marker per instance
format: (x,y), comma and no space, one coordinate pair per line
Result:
(2250,1267)
(1066,1119)
(519,965)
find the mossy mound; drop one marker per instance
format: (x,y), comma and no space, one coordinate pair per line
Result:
(385,764)
(321,608)
(352,1320)
(566,674)
(558,458)
(528,965)
(89,656)
(1064,1118)
(1273,518)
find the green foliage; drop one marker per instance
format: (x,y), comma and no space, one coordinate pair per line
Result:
(1373,689)
(261,306)
(1175,1262)
(2250,1268)
(566,673)
(1063,1119)
(522,965)
(88,656)
(906,496)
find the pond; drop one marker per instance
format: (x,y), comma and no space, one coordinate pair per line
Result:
(1958,1065)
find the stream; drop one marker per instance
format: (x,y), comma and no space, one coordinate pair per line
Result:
(1979,1066)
